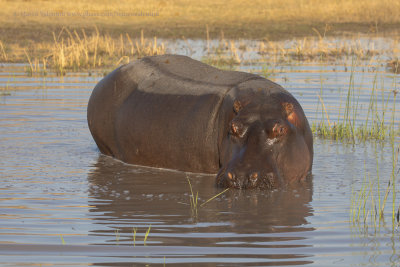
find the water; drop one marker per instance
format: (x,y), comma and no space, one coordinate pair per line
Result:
(63,203)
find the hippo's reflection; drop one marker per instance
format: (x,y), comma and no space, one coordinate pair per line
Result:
(160,197)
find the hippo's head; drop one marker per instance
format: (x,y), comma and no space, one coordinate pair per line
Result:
(268,143)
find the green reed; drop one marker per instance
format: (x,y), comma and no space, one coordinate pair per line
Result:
(62,240)
(359,208)
(146,235)
(370,200)
(346,128)
(194,199)
(117,234)
(134,230)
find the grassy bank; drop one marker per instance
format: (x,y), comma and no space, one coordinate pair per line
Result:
(78,50)
(76,35)
(33,20)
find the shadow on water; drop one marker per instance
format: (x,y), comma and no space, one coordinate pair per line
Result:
(238,227)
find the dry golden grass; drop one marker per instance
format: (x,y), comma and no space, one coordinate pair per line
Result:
(174,18)
(86,33)
(394,65)
(311,48)
(80,51)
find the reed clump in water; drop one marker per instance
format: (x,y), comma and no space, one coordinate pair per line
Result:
(311,48)
(225,54)
(349,127)
(194,200)
(369,203)
(80,51)
(394,65)
(76,50)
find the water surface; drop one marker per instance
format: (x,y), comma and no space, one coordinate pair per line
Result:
(63,203)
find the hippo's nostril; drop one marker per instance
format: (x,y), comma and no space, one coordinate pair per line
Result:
(252,180)
(270,180)
(254,176)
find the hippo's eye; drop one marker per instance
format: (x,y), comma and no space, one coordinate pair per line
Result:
(236,129)
(278,130)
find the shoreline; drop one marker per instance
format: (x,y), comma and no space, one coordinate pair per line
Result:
(38,33)
(82,50)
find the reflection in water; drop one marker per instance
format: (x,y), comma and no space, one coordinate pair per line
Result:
(126,196)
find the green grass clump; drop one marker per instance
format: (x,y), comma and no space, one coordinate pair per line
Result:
(349,127)
(345,131)
(368,202)
(224,55)
(194,200)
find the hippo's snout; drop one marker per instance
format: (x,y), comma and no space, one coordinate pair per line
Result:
(255,179)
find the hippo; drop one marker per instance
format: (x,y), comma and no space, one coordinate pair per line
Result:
(174,112)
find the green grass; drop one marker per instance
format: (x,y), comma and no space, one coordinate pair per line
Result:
(194,200)
(146,235)
(134,230)
(347,126)
(368,205)
(62,240)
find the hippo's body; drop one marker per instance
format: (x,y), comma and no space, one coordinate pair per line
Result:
(175,112)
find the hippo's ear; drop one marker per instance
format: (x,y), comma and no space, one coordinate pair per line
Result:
(240,103)
(237,106)
(292,114)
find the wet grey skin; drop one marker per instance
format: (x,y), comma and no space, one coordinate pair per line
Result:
(175,112)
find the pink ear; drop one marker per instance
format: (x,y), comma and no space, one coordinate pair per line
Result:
(292,114)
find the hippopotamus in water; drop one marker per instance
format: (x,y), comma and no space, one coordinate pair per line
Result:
(174,112)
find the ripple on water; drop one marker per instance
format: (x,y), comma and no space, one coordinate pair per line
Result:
(62,202)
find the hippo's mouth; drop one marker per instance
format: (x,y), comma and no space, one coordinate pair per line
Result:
(226,179)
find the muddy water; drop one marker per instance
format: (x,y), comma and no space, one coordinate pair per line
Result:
(63,203)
